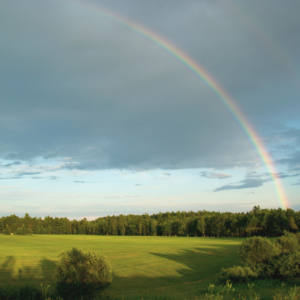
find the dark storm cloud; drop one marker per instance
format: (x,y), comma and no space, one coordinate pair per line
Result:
(86,88)
(214,175)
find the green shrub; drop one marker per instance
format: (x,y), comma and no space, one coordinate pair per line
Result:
(238,274)
(24,292)
(81,275)
(27,292)
(260,258)
(257,250)
(288,243)
(285,266)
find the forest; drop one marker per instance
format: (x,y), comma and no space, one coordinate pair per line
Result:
(263,222)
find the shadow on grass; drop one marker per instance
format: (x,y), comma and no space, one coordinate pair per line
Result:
(37,275)
(200,267)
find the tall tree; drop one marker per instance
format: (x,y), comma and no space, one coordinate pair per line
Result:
(201,225)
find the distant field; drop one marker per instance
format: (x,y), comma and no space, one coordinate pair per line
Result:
(141,265)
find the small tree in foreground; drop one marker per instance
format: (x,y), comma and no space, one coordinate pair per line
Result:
(81,275)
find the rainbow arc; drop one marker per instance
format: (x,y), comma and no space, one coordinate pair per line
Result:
(209,81)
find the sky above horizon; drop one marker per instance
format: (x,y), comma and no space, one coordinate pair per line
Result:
(97,120)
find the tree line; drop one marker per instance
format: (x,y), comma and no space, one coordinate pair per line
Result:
(263,222)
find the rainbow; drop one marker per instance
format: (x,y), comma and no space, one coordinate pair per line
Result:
(209,81)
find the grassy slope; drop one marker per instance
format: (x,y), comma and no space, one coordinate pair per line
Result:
(141,265)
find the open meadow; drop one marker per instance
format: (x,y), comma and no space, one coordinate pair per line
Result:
(182,266)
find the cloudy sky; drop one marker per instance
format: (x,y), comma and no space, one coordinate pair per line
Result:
(96,120)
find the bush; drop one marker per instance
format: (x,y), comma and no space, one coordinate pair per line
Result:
(262,259)
(257,250)
(288,243)
(285,266)
(82,275)
(24,292)
(27,292)
(238,274)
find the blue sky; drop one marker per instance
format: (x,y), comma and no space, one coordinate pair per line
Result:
(95,120)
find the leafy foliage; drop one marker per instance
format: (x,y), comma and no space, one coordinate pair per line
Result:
(23,292)
(293,225)
(258,250)
(260,258)
(288,243)
(285,266)
(82,274)
(238,274)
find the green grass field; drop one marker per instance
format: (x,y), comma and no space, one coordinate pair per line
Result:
(179,266)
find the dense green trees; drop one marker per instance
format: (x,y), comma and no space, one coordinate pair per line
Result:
(263,222)
(7,230)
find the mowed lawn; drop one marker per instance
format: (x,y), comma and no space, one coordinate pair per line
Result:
(181,265)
